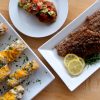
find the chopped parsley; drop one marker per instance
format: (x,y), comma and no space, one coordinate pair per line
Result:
(16,65)
(25,59)
(44,72)
(38,81)
(1,64)
(28,83)
(10,48)
(92,59)
(10,37)
(16,39)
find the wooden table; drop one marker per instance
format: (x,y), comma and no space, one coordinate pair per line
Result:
(90,89)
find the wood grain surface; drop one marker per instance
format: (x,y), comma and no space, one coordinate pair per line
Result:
(90,89)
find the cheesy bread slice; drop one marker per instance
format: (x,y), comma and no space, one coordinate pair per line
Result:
(12,52)
(16,77)
(14,94)
(3,28)
(4,72)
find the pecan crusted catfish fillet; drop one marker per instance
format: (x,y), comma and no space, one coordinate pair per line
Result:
(93,22)
(81,44)
(85,41)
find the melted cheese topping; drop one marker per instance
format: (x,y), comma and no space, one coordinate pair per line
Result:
(30,66)
(25,71)
(14,94)
(8,96)
(4,71)
(12,82)
(9,55)
(19,74)
(18,45)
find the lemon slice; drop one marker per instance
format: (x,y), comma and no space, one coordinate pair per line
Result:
(68,58)
(82,61)
(75,67)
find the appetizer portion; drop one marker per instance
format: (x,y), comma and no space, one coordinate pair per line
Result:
(84,42)
(3,28)
(18,45)
(12,52)
(14,94)
(4,72)
(31,6)
(16,77)
(48,13)
(44,10)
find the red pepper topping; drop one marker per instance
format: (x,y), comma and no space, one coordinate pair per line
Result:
(34,1)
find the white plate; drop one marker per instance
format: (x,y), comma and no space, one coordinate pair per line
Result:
(38,80)
(31,26)
(48,51)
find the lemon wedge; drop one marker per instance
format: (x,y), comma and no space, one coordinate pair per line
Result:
(75,67)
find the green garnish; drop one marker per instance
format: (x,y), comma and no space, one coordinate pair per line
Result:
(20,4)
(50,13)
(24,61)
(16,39)
(92,59)
(10,48)
(27,6)
(10,37)
(30,64)
(38,81)
(15,88)
(1,64)
(27,58)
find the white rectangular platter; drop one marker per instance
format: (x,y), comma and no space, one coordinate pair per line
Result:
(48,51)
(35,82)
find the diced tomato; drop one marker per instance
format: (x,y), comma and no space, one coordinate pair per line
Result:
(50,8)
(49,3)
(39,7)
(23,1)
(34,1)
(43,16)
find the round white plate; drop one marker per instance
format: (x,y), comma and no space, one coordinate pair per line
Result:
(31,26)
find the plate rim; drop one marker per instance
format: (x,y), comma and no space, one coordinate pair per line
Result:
(58,29)
(38,59)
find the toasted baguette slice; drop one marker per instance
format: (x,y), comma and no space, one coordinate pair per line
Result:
(16,77)
(14,94)
(12,52)
(3,28)
(4,72)
(18,44)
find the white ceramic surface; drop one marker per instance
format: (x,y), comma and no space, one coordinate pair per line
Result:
(49,52)
(38,80)
(31,26)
